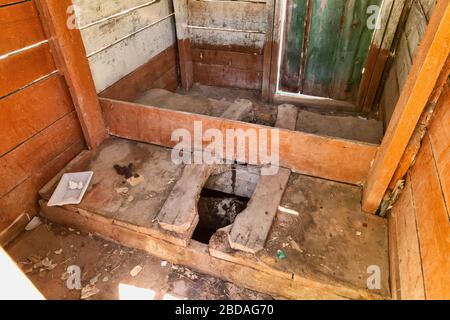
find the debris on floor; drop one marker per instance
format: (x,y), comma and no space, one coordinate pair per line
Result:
(33,224)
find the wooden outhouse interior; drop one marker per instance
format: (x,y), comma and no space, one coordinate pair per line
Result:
(357,90)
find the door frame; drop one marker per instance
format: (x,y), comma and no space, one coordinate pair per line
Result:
(379,51)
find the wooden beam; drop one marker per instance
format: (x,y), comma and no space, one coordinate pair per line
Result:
(268,48)
(70,56)
(415,95)
(184,44)
(257,276)
(325,157)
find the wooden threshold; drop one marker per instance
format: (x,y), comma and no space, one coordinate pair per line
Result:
(329,158)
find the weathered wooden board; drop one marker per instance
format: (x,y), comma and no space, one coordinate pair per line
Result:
(103,34)
(287,117)
(144,78)
(251,227)
(20,27)
(179,213)
(439,132)
(94,10)
(326,47)
(20,205)
(28,111)
(70,57)
(408,250)
(233,59)
(22,165)
(235,41)
(301,152)
(27,158)
(19,70)
(117,61)
(197,256)
(432,224)
(225,76)
(294,44)
(236,15)
(422,80)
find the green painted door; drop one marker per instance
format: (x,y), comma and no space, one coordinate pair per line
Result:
(325,47)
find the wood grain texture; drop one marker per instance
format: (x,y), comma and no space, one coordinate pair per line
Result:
(224,76)
(20,27)
(28,111)
(20,163)
(144,78)
(197,256)
(221,67)
(409,259)
(68,48)
(27,168)
(439,133)
(19,70)
(421,82)
(155,125)
(432,224)
(22,201)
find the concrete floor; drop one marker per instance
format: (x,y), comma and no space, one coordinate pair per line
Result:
(110,264)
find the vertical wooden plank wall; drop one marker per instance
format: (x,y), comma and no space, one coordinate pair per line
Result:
(227,41)
(411,30)
(419,221)
(130,45)
(39,128)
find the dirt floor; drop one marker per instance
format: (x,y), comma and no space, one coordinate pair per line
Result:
(45,253)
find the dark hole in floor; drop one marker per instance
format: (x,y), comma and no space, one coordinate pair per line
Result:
(216,210)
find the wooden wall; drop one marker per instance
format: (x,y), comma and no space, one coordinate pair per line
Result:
(39,129)
(121,37)
(227,42)
(419,222)
(409,35)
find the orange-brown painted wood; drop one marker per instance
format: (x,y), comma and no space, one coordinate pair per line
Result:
(34,153)
(432,224)
(420,84)
(225,76)
(233,59)
(439,133)
(28,167)
(304,153)
(20,27)
(31,110)
(19,70)
(186,66)
(153,74)
(70,56)
(408,259)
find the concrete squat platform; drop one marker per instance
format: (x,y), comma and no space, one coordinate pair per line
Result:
(327,242)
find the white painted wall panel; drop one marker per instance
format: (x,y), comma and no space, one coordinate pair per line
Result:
(114,63)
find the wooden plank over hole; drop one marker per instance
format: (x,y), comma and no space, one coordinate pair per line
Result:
(28,111)
(20,27)
(303,153)
(19,70)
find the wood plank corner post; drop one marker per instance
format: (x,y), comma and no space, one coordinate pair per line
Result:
(423,77)
(70,57)
(266,93)
(184,43)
